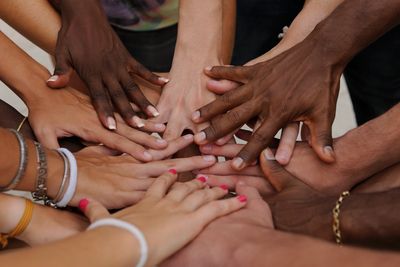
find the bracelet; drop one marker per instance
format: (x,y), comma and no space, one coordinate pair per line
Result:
(73,177)
(61,190)
(23,162)
(41,188)
(336,213)
(21,124)
(21,226)
(135,231)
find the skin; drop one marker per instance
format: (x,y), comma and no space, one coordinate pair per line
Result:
(114,181)
(275,103)
(186,208)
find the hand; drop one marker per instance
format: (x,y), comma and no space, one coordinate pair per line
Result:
(286,95)
(67,112)
(102,61)
(228,235)
(186,208)
(180,97)
(117,182)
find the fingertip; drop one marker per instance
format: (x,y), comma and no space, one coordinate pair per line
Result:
(172,171)
(196,116)
(238,163)
(200,138)
(329,154)
(83,203)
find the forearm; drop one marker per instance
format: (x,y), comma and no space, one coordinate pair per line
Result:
(86,249)
(29,16)
(271,248)
(200,29)
(369,148)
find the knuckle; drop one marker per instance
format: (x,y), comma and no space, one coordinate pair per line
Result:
(117,94)
(225,99)
(234,116)
(260,138)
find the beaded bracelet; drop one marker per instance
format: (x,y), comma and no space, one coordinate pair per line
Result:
(41,188)
(23,162)
(336,213)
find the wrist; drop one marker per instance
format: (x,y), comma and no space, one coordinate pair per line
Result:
(55,172)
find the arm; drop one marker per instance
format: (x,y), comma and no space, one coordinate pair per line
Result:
(205,36)
(288,94)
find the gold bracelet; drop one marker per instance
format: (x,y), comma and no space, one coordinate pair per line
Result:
(336,213)
(21,124)
(21,226)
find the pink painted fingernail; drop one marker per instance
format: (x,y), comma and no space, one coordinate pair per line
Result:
(224,187)
(202,179)
(83,204)
(153,111)
(173,171)
(242,198)
(53,78)
(196,115)
(112,125)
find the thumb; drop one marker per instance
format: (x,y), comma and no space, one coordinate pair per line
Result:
(220,87)
(93,210)
(321,140)
(62,72)
(236,74)
(277,175)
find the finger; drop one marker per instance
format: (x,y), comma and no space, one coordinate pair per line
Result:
(47,138)
(224,140)
(153,127)
(134,93)
(181,165)
(160,187)
(174,129)
(201,197)
(224,124)
(99,150)
(182,190)
(149,76)
(221,86)
(225,168)
(233,73)
(101,103)
(262,185)
(228,150)
(141,138)
(128,199)
(287,143)
(321,139)
(221,105)
(278,176)
(93,210)
(63,69)
(218,208)
(172,147)
(258,141)
(243,134)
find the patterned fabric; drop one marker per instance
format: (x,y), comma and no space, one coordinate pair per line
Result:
(142,15)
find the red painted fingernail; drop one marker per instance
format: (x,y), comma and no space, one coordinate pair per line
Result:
(224,187)
(83,204)
(202,179)
(242,198)
(173,171)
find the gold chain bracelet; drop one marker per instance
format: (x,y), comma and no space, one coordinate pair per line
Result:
(336,213)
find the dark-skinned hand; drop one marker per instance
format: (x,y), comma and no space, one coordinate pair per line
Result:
(87,43)
(297,85)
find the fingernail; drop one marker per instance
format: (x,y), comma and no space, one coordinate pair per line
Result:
(161,141)
(53,78)
(202,179)
(163,79)
(220,142)
(147,155)
(83,204)
(242,198)
(282,156)
(160,126)
(153,111)
(196,115)
(224,187)
(328,150)
(238,163)
(209,158)
(200,137)
(268,154)
(188,137)
(112,125)
(207,148)
(209,68)
(173,171)
(138,121)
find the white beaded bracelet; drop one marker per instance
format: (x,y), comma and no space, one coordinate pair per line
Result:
(144,249)
(73,179)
